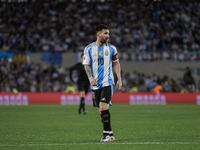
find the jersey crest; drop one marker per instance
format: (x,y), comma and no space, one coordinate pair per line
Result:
(106,52)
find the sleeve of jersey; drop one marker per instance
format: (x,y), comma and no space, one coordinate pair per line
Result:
(86,59)
(115,57)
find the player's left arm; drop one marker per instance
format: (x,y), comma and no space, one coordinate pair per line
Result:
(118,73)
(117,67)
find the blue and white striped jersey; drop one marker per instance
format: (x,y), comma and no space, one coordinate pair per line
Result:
(100,59)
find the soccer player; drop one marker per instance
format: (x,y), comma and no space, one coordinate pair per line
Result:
(98,58)
(83,83)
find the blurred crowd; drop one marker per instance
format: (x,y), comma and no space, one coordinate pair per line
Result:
(35,78)
(136,26)
(140,82)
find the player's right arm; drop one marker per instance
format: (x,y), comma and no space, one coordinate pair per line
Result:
(92,80)
(87,65)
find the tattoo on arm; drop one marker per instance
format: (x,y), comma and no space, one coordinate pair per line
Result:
(88,70)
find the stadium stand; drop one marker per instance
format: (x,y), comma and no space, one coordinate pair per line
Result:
(137,26)
(59,26)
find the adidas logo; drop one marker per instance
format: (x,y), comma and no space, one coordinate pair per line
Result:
(94,55)
(103,99)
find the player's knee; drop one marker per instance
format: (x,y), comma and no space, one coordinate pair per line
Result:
(82,94)
(103,106)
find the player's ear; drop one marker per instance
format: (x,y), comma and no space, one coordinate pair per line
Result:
(98,33)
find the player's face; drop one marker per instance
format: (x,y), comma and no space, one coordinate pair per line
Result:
(104,36)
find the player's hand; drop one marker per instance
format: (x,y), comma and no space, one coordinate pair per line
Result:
(119,85)
(93,81)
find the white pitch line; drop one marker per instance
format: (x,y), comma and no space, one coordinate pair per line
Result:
(136,143)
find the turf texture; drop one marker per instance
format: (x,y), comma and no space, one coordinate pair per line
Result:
(60,127)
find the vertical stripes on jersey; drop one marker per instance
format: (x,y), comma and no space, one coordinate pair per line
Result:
(91,61)
(100,60)
(93,54)
(101,64)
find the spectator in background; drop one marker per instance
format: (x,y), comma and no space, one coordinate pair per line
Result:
(158,88)
(134,89)
(198,90)
(71,89)
(189,80)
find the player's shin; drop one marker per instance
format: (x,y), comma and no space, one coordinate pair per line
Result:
(81,103)
(101,118)
(106,121)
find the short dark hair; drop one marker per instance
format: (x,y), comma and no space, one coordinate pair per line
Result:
(101,27)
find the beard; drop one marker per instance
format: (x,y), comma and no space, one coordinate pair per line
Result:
(103,41)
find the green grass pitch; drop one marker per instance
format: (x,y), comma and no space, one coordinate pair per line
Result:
(59,127)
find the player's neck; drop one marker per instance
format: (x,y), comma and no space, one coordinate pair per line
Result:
(99,44)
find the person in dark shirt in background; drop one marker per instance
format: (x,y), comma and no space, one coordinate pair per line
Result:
(189,80)
(82,83)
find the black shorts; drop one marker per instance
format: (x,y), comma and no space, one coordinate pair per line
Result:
(83,87)
(102,95)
